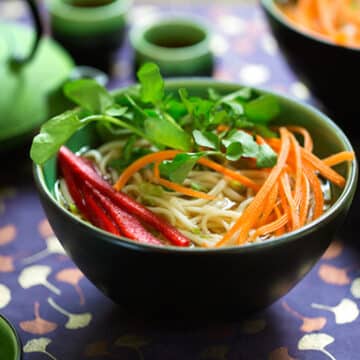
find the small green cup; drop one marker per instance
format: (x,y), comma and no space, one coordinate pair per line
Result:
(91,30)
(10,344)
(180,45)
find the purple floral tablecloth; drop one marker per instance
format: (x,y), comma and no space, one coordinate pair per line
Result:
(60,315)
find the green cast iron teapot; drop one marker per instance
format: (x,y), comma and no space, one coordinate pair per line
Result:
(33,68)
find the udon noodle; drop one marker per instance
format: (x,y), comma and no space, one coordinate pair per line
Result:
(203,221)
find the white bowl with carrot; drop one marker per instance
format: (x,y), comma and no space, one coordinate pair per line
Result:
(193,189)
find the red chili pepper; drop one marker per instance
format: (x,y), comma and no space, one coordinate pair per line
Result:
(85,202)
(98,215)
(128,224)
(124,202)
(74,189)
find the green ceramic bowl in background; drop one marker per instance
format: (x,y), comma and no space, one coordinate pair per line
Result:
(179,44)
(330,71)
(211,282)
(91,30)
(10,344)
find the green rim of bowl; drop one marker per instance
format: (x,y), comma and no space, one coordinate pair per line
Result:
(13,336)
(270,6)
(139,41)
(88,21)
(201,83)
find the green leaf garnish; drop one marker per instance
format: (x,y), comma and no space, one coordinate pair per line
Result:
(263,109)
(152,83)
(54,133)
(166,120)
(206,139)
(241,142)
(266,157)
(177,170)
(164,130)
(89,94)
(116,110)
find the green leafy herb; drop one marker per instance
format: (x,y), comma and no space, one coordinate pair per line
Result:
(164,130)
(166,120)
(266,157)
(178,169)
(206,139)
(241,141)
(240,144)
(263,109)
(89,94)
(116,110)
(54,133)
(152,83)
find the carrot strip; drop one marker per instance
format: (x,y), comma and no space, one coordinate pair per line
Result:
(184,190)
(315,186)
(339,158)
(252,212)
(308,142)
(298,168)
(169,154)
(324,170)
(270,203)
(178,188)
(305,200)
(317,163)
(326,17)
(142,162)
(229,173)
(270,228)
(280,231)
(284,181)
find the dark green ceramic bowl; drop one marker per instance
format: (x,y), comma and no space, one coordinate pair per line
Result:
(10,344)
(330,71)
(210,282)
(179,45)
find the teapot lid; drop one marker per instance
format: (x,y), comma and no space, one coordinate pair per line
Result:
(23,105)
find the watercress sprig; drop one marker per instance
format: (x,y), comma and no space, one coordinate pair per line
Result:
(167,120)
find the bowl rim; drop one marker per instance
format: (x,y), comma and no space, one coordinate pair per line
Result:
(271,8)
(139,42)
(326,217)
(11,328)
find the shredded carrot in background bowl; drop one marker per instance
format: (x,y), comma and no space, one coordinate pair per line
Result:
(334,20)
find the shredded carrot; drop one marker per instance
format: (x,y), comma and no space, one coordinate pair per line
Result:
(170,154)
(270,204)
(324,170)
(298,167)
(339,158)
(334,20)
(229,173)
(270,227)
(281,230)
(315,185)
(308,143)
(252,212)
(178,188)
(284,181)
(305,200)
(184,190)
(287,196)
(142,162)
(222,128)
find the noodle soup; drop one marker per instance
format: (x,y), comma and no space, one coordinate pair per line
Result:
(188,171)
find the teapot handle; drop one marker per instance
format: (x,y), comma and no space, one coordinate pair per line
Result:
(39,31)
